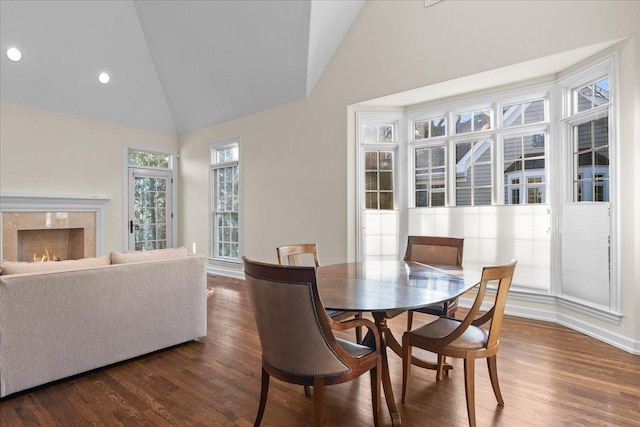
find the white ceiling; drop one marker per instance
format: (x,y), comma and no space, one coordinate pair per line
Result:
(175,66)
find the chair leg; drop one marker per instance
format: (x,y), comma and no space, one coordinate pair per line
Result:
(358,329)
(318,396)
(493,375)
(409,319)
(469,367)
(441,359)
(263,398)
(406,364)
(375,392)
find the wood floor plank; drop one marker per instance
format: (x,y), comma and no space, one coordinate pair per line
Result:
(549,376)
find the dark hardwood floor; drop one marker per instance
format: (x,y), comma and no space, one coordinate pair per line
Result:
(549,375)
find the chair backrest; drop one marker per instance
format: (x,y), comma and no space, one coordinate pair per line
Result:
(292,254)
(294,329)
(504,275)
(434,250)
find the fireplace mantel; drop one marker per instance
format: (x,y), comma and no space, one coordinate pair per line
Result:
(31,202)
(11,205)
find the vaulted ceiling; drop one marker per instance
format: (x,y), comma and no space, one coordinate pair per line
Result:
(175,66)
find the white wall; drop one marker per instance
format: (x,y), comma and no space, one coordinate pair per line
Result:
(297,159)
(48,153)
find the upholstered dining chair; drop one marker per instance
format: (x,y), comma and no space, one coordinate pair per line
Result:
(296,336)
(434,251)
(465,338)
(293,254)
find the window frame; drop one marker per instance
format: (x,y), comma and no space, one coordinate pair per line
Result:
(593,72)
(412,170)
(214,166)
(493,102)
(523,131)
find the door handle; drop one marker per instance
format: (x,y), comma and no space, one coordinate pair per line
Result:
(131,226)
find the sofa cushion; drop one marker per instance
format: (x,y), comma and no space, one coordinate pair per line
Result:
(17,267)
(154,255)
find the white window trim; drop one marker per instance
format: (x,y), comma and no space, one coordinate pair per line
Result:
(494,102)
(515,131)
(558,118)
(606,66)
(235,142)
(400,166)
(173,168)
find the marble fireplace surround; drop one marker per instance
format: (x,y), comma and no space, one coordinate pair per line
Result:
(52,222)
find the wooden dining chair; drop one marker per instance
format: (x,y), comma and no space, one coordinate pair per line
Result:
(297,340)
(465,338)
(293,255)
(434,251)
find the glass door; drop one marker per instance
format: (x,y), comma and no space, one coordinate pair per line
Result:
(150,215)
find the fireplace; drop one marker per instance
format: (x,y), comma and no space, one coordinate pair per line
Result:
(50,244)
(50,227)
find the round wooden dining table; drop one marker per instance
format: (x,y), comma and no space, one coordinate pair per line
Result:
(387,289)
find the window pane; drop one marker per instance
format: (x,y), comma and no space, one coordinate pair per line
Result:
(482,175)
(601,191)
(463,196)
(422,199)
(584,164)
(601,89)
(482,151)
(462,153)
(482,196)
(534,145)
(148,159)
(601,158)
(422,158)
(422,180)
(482,120)
(512,195)
(534,195)
(512,149)
(371,181)
(372,200)
(437,177)
(601,132)
(511,115)
(463,177)
(584,136)
(226,154)
(534,112)
(463,123)
(438,127)
(371,133)
(386,181)
(386,201)
(585,98)
(371,160)
(421,130)
(437,199)
(582,188)
(438,156)
(386,160)
(385,133)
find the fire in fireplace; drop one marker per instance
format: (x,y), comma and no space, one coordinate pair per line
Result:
(58,244)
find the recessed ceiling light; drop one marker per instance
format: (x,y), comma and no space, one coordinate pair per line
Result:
(104,78)
(14,54)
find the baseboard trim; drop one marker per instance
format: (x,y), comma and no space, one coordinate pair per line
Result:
(547,311)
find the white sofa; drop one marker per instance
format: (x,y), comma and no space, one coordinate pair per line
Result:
(54,324)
